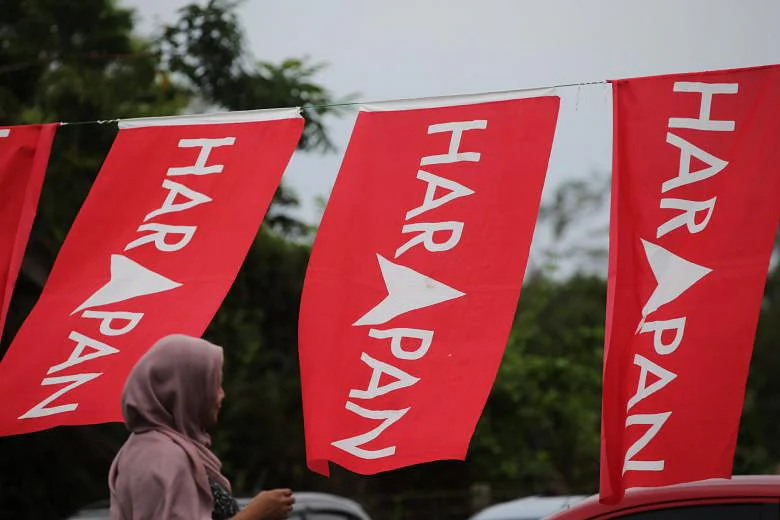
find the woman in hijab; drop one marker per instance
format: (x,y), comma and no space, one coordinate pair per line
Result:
(165,470)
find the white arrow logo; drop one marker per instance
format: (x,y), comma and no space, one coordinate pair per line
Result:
(407,290)
(674,275)
(128,280)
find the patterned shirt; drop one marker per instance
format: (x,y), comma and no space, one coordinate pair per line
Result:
(225,506)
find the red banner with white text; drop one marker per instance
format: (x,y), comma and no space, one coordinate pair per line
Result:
(415,275)
(153,251)
(695,207)
(24,155)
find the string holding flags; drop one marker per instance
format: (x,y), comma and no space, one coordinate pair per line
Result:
(359,104)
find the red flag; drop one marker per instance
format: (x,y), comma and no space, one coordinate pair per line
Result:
(695,206)
(24,154)
(415,275)
(153,251)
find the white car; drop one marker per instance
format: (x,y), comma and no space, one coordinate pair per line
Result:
(308,506)
(528,508)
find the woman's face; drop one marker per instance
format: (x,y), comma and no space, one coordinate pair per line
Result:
(214,415)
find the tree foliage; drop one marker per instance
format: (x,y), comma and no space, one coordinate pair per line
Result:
(540,429)
(758,447)
(206,48)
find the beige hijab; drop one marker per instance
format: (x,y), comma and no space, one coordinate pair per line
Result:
(162,470)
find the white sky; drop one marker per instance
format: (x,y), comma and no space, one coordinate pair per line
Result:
(421,48)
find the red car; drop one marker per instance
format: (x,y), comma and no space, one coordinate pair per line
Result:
(739,498)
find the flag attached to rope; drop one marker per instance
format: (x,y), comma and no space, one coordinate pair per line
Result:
(24,155)
(695,206)
(153,251)
(415,275)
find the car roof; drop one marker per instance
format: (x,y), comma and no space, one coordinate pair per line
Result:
(528,508)
(314,501)
(304,501)
(743,486)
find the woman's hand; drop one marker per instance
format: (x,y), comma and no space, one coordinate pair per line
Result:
(274,504)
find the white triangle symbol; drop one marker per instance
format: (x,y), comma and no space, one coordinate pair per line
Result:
(674,275)
(128,280)
(407,290)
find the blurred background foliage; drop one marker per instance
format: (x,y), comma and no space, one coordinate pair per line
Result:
(80,60)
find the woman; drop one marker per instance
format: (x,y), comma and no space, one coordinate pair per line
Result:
(165,470)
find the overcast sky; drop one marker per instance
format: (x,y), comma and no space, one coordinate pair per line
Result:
(421,48)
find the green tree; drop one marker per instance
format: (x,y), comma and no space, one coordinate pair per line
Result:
(206,51)
(758,448)
(539,432)
(206,48)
